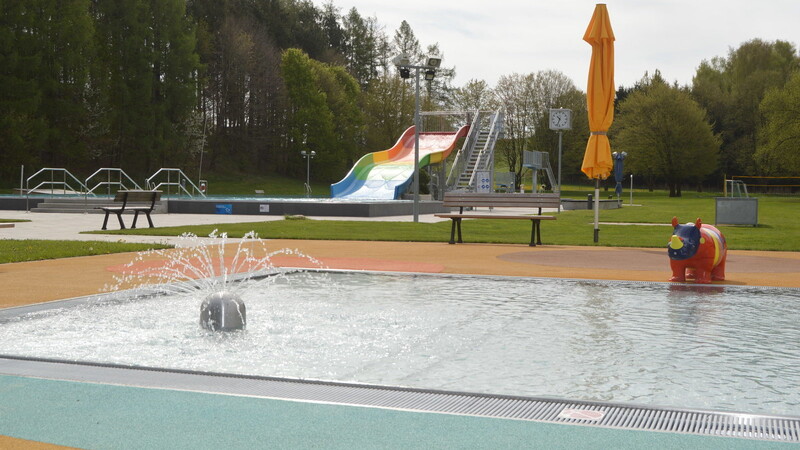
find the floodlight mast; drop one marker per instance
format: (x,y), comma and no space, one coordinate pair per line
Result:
(404,67)
(308,156)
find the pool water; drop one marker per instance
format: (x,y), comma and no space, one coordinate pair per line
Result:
(712,347)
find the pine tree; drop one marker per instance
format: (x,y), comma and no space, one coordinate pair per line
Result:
(174,71)
(22,129)
(148,50)
(45,55)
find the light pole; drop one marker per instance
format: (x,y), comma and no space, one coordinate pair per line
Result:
(404,66)
(308,156)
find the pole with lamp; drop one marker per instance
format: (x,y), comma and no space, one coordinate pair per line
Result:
(308,156)
(404,67)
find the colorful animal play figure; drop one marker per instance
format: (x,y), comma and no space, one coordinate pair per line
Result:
(697,250)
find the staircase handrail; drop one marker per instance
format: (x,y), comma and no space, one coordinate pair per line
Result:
(179,183)
(488,148)
(109,170)
(464,153)
(52,183)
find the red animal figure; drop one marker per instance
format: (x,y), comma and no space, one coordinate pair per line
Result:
(698,249)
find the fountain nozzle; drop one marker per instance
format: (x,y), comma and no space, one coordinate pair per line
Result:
(223,311)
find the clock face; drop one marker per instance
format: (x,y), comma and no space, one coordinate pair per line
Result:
(560,119)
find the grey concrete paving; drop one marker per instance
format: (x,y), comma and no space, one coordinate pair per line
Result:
(70,226)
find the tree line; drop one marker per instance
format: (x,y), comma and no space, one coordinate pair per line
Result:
(245,85)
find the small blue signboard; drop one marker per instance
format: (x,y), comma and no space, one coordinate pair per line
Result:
(224,208)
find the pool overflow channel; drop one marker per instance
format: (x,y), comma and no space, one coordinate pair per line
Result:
(542,409)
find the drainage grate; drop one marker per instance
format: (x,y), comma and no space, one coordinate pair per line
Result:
(610,415)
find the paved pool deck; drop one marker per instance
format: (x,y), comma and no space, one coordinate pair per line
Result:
(41,413)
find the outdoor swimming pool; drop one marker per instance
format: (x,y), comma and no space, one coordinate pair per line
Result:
(723,348)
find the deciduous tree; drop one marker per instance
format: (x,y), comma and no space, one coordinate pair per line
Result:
(779,144)
(526,100)
(666,135)
(732,88)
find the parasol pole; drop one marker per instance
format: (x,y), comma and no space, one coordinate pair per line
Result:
(596,210)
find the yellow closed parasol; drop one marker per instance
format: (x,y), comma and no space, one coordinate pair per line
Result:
(597,162)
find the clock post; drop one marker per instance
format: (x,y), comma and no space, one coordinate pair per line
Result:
(560,133)
(560,120)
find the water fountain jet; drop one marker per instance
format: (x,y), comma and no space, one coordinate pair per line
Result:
(198,267)
(223,311)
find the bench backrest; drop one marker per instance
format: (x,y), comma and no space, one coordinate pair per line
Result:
(138,197)
(471,199)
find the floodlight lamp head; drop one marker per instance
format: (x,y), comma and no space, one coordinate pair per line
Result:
(405,72)
(430,74)
(434,61)
(401,60)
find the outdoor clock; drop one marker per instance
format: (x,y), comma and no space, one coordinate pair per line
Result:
(561,119)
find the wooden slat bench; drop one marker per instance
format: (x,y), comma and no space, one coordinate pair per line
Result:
(135,201)
(463,200)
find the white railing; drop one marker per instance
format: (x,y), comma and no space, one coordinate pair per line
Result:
(67,184)
(174,178)
(114,178)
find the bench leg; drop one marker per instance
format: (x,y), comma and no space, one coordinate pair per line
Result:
(121,223)
(453,231)
(459,232)
(135,218)
(534,226)
(150,221)
(105,221)
(539,232)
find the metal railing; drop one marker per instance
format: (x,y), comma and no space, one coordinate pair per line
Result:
(175,178)
(463,155)
(120,178)
(67,183)
(485,158)
(66,187)
(482,139)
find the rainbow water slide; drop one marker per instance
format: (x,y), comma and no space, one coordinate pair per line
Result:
(386,174)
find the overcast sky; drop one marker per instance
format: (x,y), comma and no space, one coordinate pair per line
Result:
(487,39)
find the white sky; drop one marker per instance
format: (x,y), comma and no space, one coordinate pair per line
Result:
(487,39)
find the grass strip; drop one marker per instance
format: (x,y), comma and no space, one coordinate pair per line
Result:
(13,250)
(778,227)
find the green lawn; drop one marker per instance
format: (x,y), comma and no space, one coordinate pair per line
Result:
(779,227)
(34,249)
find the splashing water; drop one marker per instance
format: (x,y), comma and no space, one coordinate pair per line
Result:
(203,269)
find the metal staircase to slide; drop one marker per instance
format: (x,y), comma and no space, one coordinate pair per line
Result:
(477,153)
